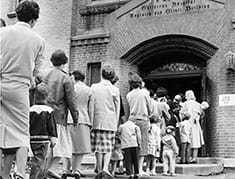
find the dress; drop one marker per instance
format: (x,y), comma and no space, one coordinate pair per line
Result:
(19,45)
(194,109)
(80,134)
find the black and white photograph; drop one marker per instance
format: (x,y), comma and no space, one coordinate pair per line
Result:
(117,89)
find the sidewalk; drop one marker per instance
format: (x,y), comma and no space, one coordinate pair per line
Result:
(227,174)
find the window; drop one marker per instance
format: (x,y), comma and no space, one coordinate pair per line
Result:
(94,73)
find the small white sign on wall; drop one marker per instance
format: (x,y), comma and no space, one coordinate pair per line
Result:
(227,100)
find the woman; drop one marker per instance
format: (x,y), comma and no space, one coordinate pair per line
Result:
(105,115)
(20,58)
(61,99)
(81,134)
(193,109)
(140,108)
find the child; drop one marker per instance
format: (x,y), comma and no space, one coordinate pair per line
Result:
(117,155)
(42,132)
(185,137)
(154,142)
(130,137)
(170,151)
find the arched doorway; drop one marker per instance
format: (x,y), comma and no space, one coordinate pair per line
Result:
(176,62)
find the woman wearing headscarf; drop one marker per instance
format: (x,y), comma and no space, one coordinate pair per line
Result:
(193,109)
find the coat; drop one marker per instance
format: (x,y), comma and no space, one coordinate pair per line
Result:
(61,95)
(105,107)
(194,109)
(83,99)
(21,55)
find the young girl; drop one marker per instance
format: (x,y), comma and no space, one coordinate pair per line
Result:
(154,142)
(117,156)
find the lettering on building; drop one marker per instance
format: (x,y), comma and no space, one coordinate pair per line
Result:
(169,7)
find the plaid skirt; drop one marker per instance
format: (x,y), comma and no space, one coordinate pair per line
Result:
(102,141)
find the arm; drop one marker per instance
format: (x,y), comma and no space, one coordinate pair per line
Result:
(51,128)
(91,107)
(174,146)
(70,99)
(39,59)
(117,104)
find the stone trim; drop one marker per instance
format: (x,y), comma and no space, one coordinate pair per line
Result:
(11,14)
(91,39)
(103,8)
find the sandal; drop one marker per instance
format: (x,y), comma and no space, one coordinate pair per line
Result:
(64,175)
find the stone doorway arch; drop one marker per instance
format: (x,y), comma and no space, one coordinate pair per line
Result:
(174,61)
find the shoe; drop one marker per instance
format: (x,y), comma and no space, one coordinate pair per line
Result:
(77,175)
(135,177)
(107,175)
(51,174)
(153,174)
(193,161)
(165,174)
(64,175)
(143,174)
(172,174)
(99,176)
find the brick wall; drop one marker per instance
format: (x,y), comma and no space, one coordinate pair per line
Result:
(213,26)
(54,24)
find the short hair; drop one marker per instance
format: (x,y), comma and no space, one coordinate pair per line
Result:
(3,23)
(41,92)
(27,10)
(59,58)
(135,81)
(114,80)
(108,72)
(154,119)
(78,75)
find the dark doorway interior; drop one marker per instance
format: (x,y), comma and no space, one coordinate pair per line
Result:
(176,85)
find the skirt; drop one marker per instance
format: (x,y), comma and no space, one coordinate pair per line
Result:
(63,147)
(14,114)
(102,141)
(81,142)
(153,150)
(144,128)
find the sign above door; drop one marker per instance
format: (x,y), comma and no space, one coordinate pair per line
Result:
(171,7)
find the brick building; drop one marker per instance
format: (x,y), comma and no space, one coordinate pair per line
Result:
(178,44)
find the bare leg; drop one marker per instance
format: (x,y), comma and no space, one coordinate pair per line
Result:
(195,153)
(53,164)
(1,163)
(76,161)
(21,160)
(153,169)
(99,161)
(141,162)
(7,163)
(66,164)
(106,161)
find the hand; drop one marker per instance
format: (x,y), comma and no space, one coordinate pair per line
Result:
(53,142)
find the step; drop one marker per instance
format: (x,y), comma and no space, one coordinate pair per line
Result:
(195,169)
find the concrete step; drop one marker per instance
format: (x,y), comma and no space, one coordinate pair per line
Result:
(204,166)
(195,169)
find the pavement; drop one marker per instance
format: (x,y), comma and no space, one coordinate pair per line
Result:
(227,174)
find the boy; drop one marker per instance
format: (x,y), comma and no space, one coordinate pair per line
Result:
(42,131)
(170,151)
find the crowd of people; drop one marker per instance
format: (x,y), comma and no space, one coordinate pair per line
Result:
(56,117)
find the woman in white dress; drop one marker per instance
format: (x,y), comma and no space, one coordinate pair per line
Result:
(193,108)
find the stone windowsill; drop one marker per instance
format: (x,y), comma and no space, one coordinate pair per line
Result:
(11,14)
